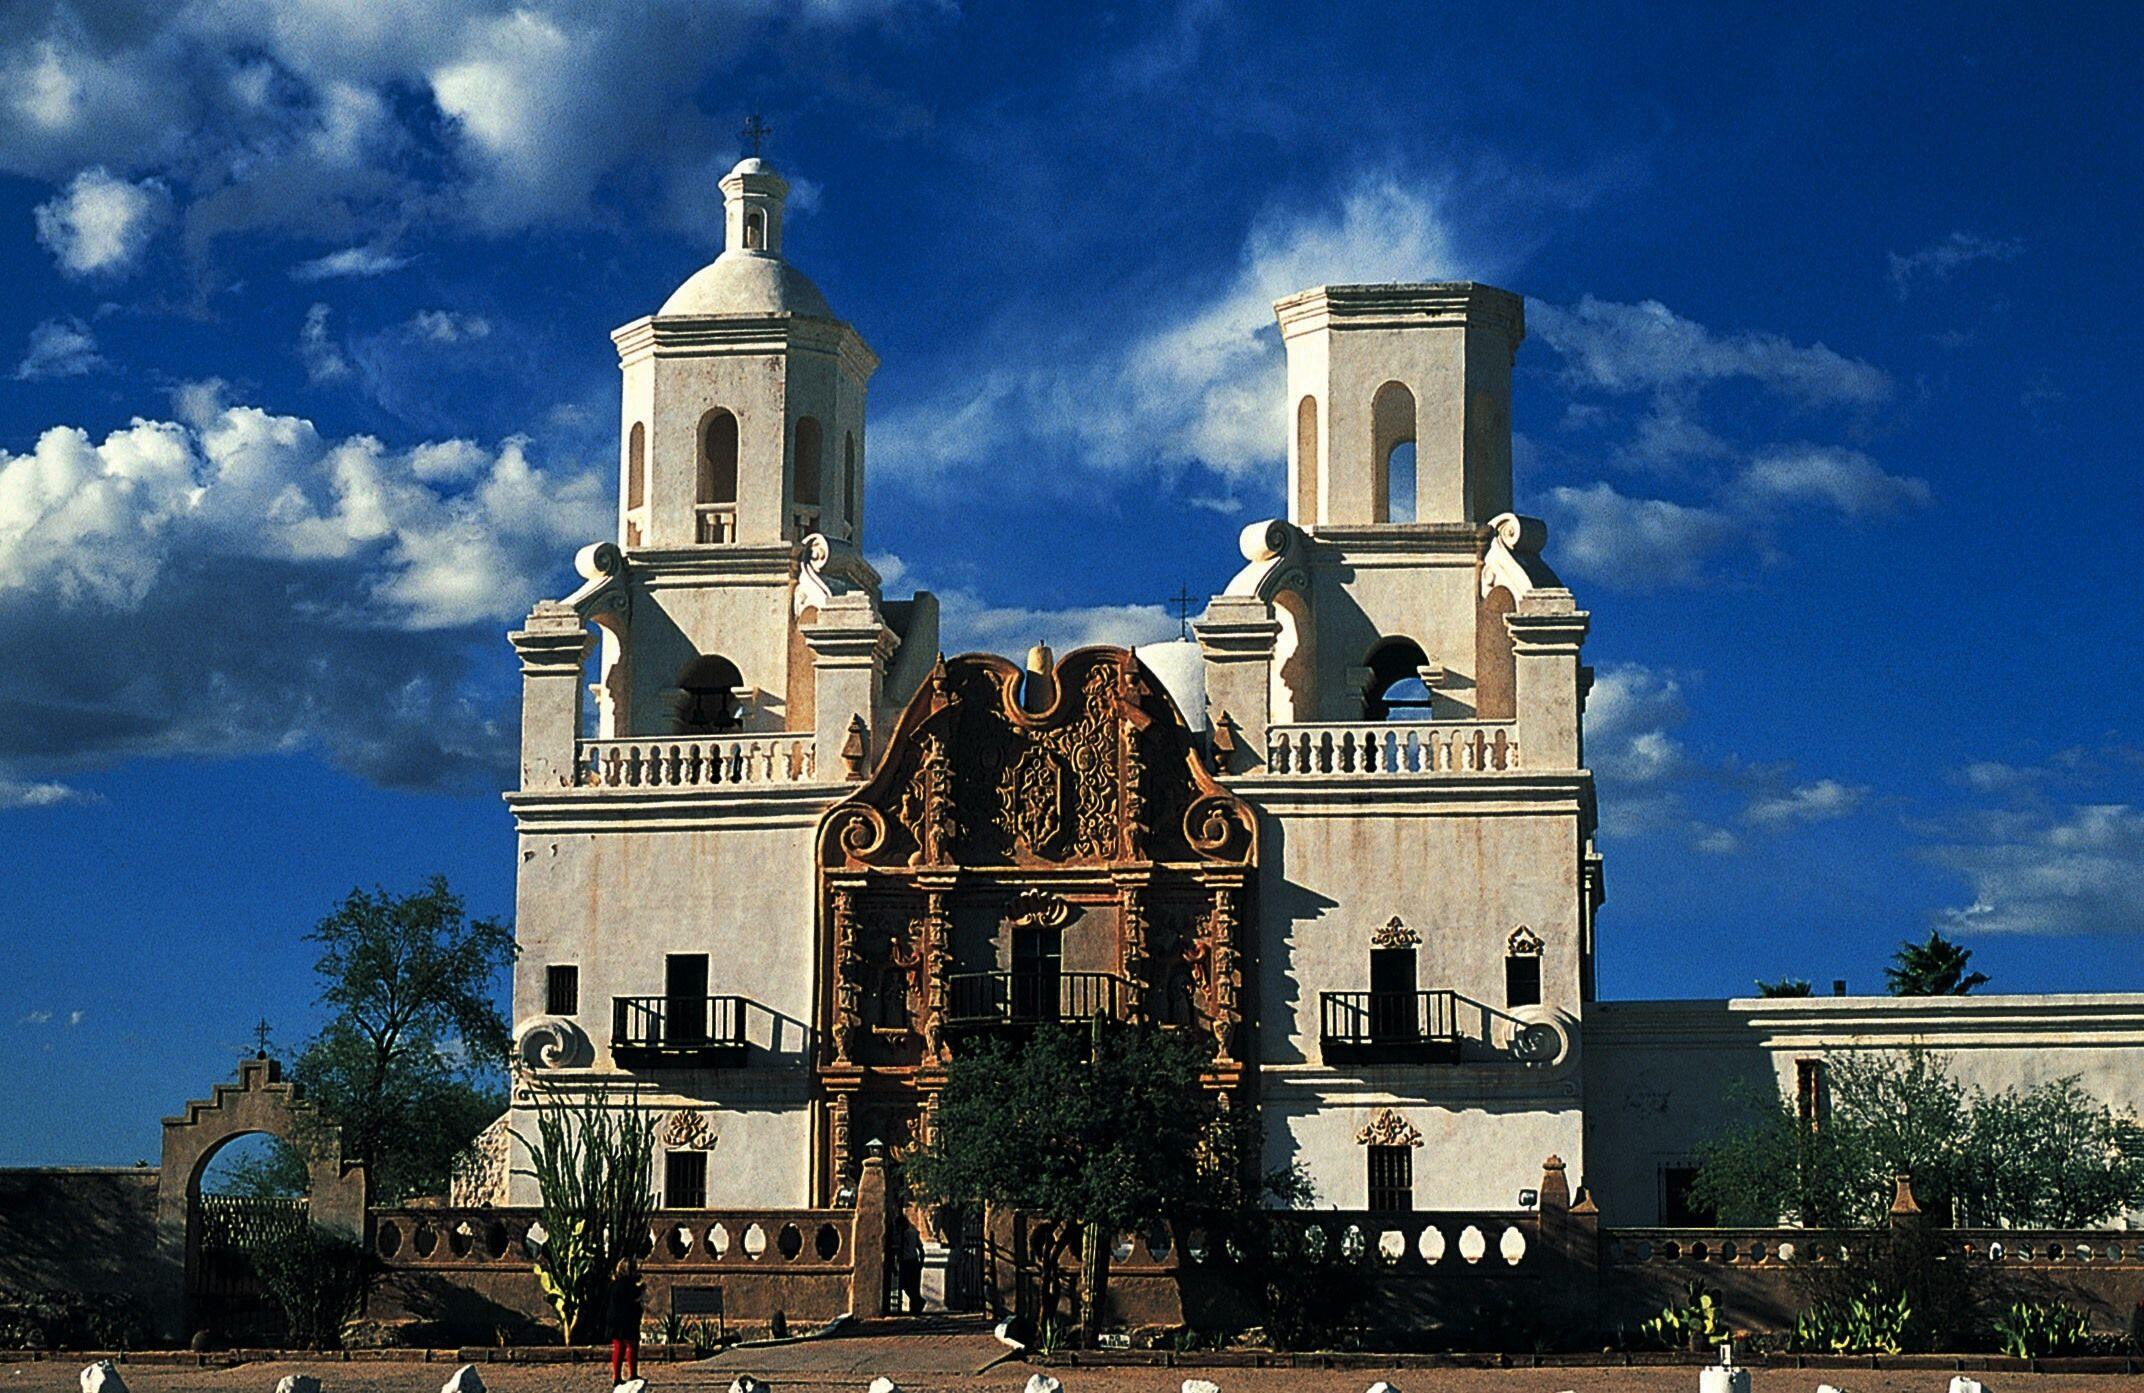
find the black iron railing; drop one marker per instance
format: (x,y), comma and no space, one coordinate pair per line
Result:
(673,1029)
(1023,997)
(1398,1026)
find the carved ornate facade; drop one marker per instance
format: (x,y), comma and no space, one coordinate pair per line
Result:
(1033,846)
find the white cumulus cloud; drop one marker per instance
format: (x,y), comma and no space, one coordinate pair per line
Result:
(59,348)
(1647,347)
(1838,478)
(1821,801)
(100,223)
(2068,871)
(232,581)
(1198,382)
(350,261)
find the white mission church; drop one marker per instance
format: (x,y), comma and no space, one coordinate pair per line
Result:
(793,858)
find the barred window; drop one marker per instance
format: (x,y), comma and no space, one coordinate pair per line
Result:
(1391,1177)
(562,989)
(685,1180)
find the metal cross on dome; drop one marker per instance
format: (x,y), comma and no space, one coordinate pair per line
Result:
(1183,599)
(755,131)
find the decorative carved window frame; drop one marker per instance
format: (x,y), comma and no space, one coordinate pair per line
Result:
(1387,1128)
(1394,933)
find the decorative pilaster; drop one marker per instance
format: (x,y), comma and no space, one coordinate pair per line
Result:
(848,977)
(1236,638)
(553,646)
(1546,635)
(1226,974)
(937,974)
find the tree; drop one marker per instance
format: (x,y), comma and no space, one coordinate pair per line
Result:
(1888,1112)
(2051,1155)
(1100,1131)
(1785,986)
(411,1063)
(1934,968)
(592,1163)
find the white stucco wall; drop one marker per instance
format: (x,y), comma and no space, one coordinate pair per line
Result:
(612,882)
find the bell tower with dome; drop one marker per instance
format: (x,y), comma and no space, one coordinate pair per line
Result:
(744,397)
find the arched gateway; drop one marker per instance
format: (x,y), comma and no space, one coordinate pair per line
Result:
(1034,846)
(260,1102)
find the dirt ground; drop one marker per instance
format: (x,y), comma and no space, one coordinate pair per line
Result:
(925,1363)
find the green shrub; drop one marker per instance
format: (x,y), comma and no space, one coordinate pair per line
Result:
(67,1320)
(318,1278)
(1871,1322)
(1696,1324)
(2041,1330)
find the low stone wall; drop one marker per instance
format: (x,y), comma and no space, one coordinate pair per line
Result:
(1756,1271)
(82,1229)
(469,1272)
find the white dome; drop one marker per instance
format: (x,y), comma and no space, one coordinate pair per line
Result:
(1182,670)
(741,282)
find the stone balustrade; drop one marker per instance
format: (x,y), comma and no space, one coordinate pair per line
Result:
(1777,1247)
(691,1239)
(696,761)
(1393,748)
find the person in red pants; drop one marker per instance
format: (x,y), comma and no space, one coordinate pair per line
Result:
(625,1302)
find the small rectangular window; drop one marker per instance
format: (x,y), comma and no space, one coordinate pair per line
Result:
(1812,1093)
(1522,979)
(685,1180)
(1678,1207)
(562,989)
(1391,1177)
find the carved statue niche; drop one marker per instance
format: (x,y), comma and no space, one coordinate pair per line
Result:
(848,978)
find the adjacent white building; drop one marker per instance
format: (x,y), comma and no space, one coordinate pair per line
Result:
(777,858)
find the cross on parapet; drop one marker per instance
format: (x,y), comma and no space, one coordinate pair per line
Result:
(260,1038)
(1183,600)
(755,131)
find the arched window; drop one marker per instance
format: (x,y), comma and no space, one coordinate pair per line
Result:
(709,704)
(1306,462)
(1396,691)
(807,486)
(1391,426)
(848,476)
(755,231)
(718,457)
(636,466)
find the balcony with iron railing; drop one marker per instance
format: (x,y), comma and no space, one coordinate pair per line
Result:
(1022,997)
(1419,1027)
(678,1031)
(1392,749)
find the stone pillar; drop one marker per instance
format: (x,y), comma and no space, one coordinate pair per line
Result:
(849,649)
(1236,638)
(553,646)
(1570,1248)
(867,1270)
(1546,634)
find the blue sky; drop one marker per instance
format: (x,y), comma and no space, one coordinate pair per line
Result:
(1828,398)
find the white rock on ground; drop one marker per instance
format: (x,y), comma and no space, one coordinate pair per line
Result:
(1201,1385)
(102,1377)
(463,1380)
(1043,1383)
(745,1383)
(297,1383)
(1381,1387)
(882,1384)
(1962,1384)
